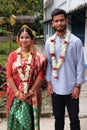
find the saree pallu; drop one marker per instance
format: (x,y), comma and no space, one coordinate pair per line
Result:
(24,115)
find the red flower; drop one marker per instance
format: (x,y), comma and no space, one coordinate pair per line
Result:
(65,42)
(52,54)
(52,40)
(54,68)
(4,87)
(56,77)
(62,57)
(1,94)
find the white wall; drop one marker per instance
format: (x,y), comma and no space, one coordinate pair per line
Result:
(72,4)
(67,5)
(85,47)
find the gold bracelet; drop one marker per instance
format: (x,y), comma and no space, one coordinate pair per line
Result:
(17,94)
(31,92)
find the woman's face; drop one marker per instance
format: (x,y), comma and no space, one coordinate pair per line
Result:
(25,40)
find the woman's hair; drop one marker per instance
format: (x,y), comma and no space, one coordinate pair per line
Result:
(58,11)
(30,33)
(28,30)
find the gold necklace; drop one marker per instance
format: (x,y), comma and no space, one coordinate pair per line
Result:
(24,54)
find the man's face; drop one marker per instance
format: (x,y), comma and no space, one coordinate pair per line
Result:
(59,22)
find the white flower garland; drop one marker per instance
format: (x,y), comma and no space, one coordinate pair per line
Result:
(24,77)
(57,64)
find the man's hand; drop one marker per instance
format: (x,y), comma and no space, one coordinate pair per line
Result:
(76,92)
(49,88)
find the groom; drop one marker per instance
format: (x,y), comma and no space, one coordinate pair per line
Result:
(65,71)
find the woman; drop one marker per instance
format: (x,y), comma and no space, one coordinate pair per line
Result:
(25,71)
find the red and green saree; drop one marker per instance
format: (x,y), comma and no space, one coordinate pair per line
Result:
(24,115)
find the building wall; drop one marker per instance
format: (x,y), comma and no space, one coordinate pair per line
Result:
(85,47)
(5,38)
(72,4)
(68,5)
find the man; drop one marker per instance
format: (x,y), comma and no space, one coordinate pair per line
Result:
(65,71)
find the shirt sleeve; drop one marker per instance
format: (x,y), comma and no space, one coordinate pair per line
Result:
(80,63)
(49,64)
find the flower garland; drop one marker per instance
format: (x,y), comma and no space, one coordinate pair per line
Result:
(57,64)
(24,77)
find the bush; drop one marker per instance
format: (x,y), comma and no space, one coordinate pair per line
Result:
(5,50)
(2,75)
(4,32)
(40,37)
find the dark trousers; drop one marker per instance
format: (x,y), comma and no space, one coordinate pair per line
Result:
(59,102)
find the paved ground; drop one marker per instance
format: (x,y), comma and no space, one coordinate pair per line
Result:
(48,123)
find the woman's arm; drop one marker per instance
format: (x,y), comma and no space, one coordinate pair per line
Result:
(11,83)
(9,76)
(37,84)
(39,79)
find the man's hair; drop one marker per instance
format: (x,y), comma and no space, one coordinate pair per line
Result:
(58,11)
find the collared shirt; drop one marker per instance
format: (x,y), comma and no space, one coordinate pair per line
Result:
(72,69)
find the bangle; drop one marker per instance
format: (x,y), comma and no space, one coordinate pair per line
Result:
(30,91)
(17,94)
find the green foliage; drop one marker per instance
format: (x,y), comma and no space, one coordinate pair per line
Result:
(5,47)
(3,59)
(3,102)
(4,32)
(5,50)
(38,26)
(18,7)
(40,36)
(23,7)
(2,75)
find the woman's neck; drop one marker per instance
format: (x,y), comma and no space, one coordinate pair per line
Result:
(25,50)
(24,54)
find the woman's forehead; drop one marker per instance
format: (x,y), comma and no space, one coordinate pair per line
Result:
(24,33)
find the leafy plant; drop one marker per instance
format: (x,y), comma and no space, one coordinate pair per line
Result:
(5,50)
(2,101)
(4,32)
(2,75)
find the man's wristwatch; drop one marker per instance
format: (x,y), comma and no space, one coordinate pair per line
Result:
(78,86)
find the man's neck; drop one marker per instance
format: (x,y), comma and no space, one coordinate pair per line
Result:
(61,34)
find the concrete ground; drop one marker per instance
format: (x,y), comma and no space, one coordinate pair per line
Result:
(48,123)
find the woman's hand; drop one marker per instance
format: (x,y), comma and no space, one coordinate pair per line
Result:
(30,93)
(20,96)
